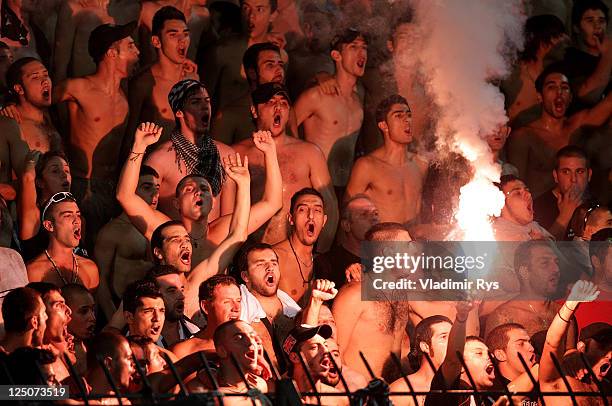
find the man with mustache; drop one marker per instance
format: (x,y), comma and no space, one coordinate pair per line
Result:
(28,79)
(58,264)
(220,300)
(532,148)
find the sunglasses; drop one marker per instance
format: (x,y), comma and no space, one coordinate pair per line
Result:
(57,198)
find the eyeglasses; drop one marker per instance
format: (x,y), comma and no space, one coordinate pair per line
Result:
(57,198)
(519,191)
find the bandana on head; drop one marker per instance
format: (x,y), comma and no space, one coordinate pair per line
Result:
(176,97)
(11,26)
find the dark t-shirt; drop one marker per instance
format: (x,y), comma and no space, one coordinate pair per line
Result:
(545,209)
(333,263)
(579,65)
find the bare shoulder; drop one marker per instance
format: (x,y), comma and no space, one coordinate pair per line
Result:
(87,263)
(349,292)
(37,266)
(421,161)
(159,156)
(224,149)
(243,147)
(282,248)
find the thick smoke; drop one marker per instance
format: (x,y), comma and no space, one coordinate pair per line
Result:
(465,46)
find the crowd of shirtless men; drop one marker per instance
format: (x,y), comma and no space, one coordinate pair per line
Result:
(182,178)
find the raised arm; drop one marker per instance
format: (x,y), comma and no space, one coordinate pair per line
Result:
(347,309)
(359,179)
(451,367)
(582,291)
(27,210)
(221,257)
(144,217)
(593,87)
(322,291)
(64,38)
(595,116)
(104,254)
(320,180)
(272,200)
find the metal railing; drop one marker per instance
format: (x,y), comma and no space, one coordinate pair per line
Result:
(377,392)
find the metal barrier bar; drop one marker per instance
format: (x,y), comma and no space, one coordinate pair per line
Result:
(77,379)
(346,388)
(110,379)
(470,377)
(242,375)
(495,363)
(590,371)
(310,379)
(398,362)
(534,382)
(564,378)
(177,376)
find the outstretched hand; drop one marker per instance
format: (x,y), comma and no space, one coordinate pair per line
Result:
(237,169)
(146,134)
(353,272)
(583,291)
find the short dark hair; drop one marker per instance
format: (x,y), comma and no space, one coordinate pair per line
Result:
(581,7)
(3,45)
(549,70)
(157,239)
(497,339)
(505,179)
(71,290)
(15,71)
(273,5)
(160,270)
(424,333)
(387,230)
(141,341)
(600,243)
(206,290)
(522,255)
(44,159)
(384,106)
(540,30)
(251,56)
(242,259)
(185,178)
(164,14)
(304,192)
(147,170)
(571,151)
(105,344)
(218,334)
(18,307)
(346,36)
(23,365)
(136,291)
(474,338)
(43,288)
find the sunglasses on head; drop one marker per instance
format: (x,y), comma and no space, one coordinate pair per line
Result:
(57,198)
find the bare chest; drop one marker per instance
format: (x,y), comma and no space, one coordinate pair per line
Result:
(37,135)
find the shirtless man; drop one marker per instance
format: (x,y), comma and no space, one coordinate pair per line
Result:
(309,343)
(296,254)
(383,321)
(121,251)
(544,35)
(532,148)
(301,163)
(431,338)
(221,65)
(237,339)
(29,80)
(145,24)
(332,122)
(391,175)
(220,300)
(191,149)
(148,93)
(58,264)
(98,110)
(76,20)
(171,242)
(537,267)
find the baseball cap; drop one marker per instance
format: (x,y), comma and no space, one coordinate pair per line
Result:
(176,96)
(265,92)
(103,36)
(303,333)
(596,330)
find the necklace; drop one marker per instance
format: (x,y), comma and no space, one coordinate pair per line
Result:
(75,269)
(543,321)
(305,281)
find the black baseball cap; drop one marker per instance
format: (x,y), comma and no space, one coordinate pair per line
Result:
(103,36)
(265,92)
(303,333)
